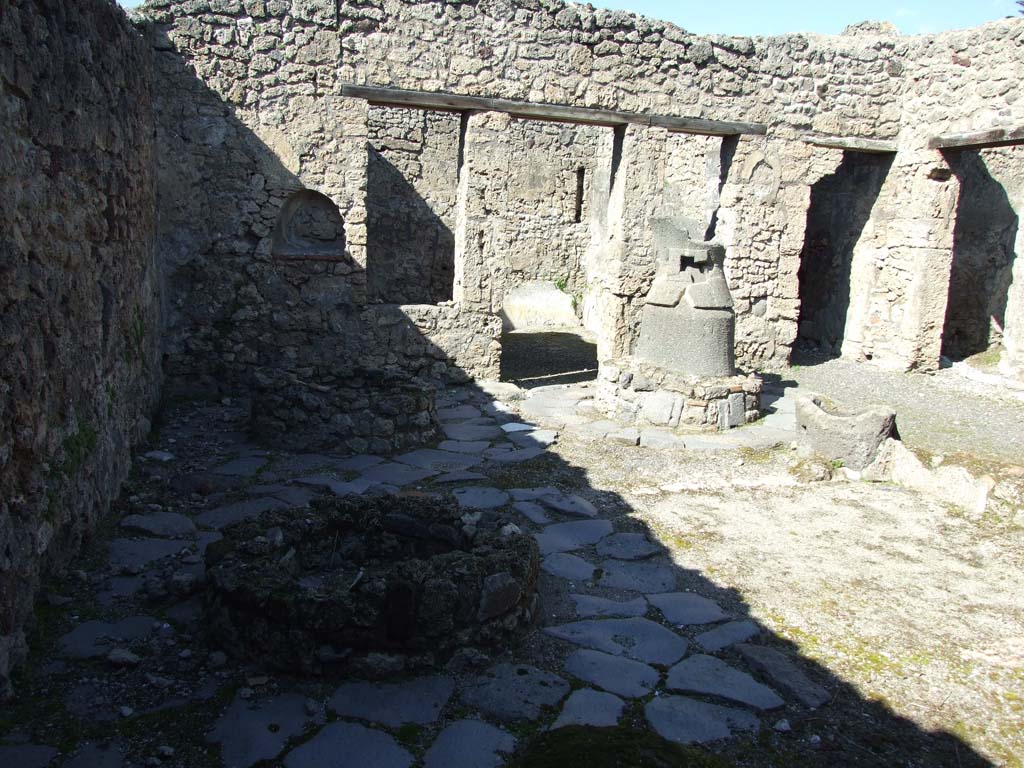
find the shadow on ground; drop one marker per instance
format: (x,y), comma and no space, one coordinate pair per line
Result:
(703,670)
(540,358)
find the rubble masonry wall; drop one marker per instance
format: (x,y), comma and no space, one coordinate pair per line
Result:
(80,360)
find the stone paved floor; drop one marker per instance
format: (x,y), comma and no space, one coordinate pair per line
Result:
(624,636)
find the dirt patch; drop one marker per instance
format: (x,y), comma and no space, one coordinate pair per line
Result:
(909,602)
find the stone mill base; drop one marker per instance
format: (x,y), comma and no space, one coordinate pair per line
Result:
(648,394)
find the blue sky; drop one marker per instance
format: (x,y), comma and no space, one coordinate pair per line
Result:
(747,17)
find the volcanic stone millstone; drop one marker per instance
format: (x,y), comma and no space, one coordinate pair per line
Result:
(299,589)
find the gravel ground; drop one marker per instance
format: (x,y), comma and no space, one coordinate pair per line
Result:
(943,413)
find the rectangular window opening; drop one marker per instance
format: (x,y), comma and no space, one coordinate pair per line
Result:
(581,179)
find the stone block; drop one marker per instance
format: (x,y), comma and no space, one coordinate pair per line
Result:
(852,438)
(658,407)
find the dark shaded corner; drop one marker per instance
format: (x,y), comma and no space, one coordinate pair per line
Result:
(840,207)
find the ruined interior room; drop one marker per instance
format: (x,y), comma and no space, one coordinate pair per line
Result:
(506,383)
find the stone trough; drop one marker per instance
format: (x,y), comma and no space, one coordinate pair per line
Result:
(847,437)
(378,586)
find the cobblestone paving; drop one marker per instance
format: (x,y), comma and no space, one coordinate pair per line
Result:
(632,642)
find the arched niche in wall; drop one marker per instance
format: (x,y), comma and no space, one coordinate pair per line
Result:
(309,227)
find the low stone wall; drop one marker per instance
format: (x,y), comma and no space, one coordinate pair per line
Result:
(442,343)
(368,412)
(647,394)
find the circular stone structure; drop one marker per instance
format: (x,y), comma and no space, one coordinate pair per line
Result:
(380,585)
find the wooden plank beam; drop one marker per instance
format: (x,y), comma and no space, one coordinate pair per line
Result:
(853,144)
(397,97)
(996,137)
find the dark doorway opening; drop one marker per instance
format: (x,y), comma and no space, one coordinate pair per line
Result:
(983,255)
(840,206)
(537,357)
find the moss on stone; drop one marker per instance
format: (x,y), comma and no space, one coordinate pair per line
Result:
(76,447)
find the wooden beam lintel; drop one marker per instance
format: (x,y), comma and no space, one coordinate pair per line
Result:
(853,144)
(996,137)
(397,97)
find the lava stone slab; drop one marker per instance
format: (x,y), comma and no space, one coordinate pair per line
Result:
(503,412)
(727,634)
(474,447)
(513,457)
(302,462)
(243,510)
(250,732)
(393,473)
(616,674)
(532,494)
(639,639)
(713,677)
(638,577)
(469,744)
(120,587)
(205,483)
(628,546)
(462,476)
(457,413)
(591,708)
(481,497)
(441,461)
(518,426)
(358,463)
(532,511)
(472,432)
(248,466)
(538,438)
(133,555)
(567,567)
(510,692)
(94,756)
(168,525)
(289,494)
(784,673)
(565,537)
(416,701)
(347,745)
(91,639)
(588,606)
(27,755)
(688,721)
(186,612)
(205,539)
(687,608)
(568,504)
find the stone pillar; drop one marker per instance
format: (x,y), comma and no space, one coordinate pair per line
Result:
(346,179)
(620,262)
(761,222)
(482,170)
(480,166)
(1012,363)
(903,327)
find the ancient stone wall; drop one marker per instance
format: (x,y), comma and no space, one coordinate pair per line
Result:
(986,295)
(955,82)
(79,312)
(412,179)
(837,232)
(257,85)
(542,202)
